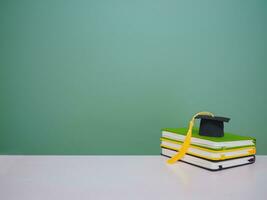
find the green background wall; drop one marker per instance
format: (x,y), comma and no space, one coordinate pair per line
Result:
(103,77)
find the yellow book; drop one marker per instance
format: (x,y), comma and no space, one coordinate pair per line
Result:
(209,154)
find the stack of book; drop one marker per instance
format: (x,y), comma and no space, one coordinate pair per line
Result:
(212,153)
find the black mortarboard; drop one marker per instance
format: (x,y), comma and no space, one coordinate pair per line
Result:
(212,126)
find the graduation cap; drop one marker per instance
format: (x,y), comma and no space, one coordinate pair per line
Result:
(212,126)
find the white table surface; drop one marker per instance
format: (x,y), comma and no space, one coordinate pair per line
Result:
(125,177)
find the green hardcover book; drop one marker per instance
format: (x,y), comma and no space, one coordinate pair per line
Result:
(229,141)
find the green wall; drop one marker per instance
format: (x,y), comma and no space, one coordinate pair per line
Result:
(103,77)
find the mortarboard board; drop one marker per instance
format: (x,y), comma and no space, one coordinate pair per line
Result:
(212,126)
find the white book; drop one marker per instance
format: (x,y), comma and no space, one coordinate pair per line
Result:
(210,165)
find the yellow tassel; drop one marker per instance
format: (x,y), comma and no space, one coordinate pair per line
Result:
(186,144)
